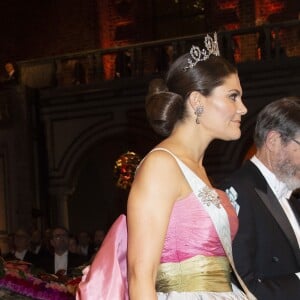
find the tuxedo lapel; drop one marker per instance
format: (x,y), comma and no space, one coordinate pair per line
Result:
(295,205)
(273,205)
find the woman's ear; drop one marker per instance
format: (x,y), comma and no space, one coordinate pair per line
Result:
(195,99)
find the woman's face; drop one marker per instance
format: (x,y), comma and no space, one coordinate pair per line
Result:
(223,110)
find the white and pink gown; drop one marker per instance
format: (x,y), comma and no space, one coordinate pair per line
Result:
(193,264)
(192,235)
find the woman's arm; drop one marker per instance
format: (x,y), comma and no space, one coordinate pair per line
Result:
(156,187)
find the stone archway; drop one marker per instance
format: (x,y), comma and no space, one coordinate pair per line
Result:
(96,201)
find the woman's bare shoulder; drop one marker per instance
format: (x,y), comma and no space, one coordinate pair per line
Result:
(159,158)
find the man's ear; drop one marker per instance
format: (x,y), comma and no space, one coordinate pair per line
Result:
(273,140)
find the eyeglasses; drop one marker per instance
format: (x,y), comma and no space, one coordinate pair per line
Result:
(294,140)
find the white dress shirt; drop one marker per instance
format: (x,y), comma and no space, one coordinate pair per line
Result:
(20,254)
(61,262)
(37,249)
(84,250)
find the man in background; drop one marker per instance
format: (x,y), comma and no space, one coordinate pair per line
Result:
(85,246)
(61,260)
(266,247)
(12,73)
(21,249)
(99,236)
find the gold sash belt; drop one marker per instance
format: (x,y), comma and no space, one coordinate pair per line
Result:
(199,273)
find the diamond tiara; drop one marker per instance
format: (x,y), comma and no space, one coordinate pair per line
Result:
(197,54)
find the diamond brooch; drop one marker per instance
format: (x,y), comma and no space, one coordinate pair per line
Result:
(209,196)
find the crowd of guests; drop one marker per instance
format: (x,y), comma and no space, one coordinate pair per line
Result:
(55,251)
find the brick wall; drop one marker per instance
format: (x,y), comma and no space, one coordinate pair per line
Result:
(33,28)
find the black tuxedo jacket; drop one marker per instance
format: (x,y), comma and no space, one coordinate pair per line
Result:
(29,257)
(47,262)
(91,252)
(265,249)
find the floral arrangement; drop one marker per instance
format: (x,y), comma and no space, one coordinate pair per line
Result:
(124,169)
(22,278)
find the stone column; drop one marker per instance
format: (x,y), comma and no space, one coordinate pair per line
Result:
(60,212)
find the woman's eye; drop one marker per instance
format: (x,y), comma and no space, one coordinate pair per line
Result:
(233,97)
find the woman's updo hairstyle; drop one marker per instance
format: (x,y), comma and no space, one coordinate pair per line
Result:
(163,108)
(166,99)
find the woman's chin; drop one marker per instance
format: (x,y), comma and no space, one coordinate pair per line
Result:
(234,136)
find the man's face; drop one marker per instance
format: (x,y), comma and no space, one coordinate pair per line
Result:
(36,237)
(99,237)
(60,240)
(22,240)
(287,163)
(9,67)
(83,238)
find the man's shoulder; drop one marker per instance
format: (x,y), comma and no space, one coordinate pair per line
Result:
(71,254)
(31,255)
(247,172)
(75,257)
(247,168)
(244,180)
(9,256)
(75,260)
